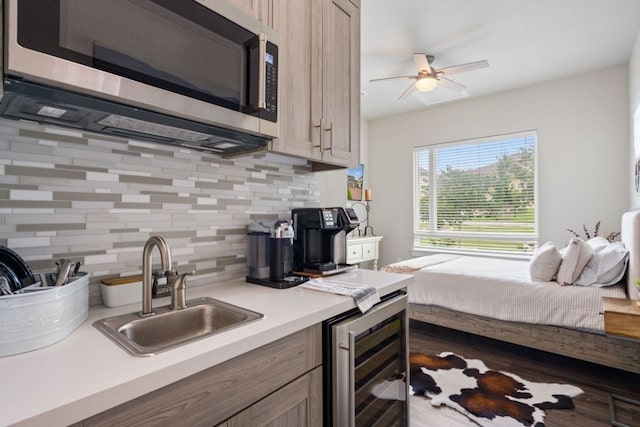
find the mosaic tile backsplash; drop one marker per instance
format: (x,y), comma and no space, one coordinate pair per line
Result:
(97,199)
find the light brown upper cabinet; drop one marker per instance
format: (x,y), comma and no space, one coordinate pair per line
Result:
(262,10)
(319,93)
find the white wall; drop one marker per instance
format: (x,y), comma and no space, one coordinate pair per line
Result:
(634,108)
(583,139)
(333,184)
(333,187)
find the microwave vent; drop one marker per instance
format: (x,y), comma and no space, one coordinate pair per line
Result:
(140,126)
(24,100)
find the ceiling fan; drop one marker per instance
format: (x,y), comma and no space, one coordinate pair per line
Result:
(429,78)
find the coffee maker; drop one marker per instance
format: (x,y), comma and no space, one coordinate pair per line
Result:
(270,255)
(320,242)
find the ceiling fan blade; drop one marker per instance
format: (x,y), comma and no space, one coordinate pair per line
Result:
(408,92)
(393,78)
(463,68)
(452,85)
(422,63)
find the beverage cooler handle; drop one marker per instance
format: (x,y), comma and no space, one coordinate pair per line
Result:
(352,379)
(350,349)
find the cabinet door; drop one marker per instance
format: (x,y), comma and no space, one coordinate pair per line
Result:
(341,82)
(262,10)
(251,7)
(300,81)
(299,404)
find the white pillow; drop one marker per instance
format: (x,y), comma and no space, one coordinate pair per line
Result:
(606,267)
(597,243)
(545,263)
(574,258)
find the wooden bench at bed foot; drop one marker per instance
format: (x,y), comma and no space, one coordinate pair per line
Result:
(600,349)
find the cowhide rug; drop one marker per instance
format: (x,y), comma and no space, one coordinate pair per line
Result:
(490,398)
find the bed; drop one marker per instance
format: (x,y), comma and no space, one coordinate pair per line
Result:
(497,298)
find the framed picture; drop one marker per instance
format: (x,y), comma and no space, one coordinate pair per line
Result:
(355,178)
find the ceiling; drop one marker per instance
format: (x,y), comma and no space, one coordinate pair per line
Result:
(525,42)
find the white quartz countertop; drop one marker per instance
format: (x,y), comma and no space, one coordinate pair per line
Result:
(86,373)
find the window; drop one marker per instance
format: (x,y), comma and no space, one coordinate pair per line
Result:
(477,195)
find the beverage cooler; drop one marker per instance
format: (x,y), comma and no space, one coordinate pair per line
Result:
(366,365)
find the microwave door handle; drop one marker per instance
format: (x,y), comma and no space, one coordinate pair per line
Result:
(261,103)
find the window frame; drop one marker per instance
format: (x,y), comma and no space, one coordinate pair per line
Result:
(432,231)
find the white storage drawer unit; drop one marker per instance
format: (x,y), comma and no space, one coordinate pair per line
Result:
(361,249)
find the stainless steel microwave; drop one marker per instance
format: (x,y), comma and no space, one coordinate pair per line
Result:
(196,73)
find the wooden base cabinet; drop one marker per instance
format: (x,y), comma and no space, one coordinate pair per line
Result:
(298,404)
(319,81)
(279,382)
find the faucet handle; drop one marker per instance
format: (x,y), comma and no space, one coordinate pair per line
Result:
(179,291)
(169,274)
(182,277)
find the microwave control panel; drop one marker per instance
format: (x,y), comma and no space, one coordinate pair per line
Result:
(271,84)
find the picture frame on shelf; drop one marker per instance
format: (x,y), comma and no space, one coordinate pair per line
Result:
(355,180)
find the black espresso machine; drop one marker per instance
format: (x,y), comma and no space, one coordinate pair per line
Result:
(320,242)
(270,255)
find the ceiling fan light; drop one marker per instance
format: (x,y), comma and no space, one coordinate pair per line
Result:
(426,84)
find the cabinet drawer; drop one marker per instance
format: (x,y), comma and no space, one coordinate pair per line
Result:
(354,254)
(369,251)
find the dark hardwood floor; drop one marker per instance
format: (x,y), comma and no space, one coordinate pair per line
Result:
(591,408)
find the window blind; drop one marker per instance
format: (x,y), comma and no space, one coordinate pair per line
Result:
(477,195)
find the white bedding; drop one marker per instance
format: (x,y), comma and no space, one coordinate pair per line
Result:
(502,289)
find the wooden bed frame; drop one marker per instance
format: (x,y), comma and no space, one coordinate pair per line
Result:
(601,349)
(604,350)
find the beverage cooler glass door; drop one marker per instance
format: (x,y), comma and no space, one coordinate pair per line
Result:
(370,367)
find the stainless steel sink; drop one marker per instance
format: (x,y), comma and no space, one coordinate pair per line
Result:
(167,329)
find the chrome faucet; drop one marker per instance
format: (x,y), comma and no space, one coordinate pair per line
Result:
(147,281)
